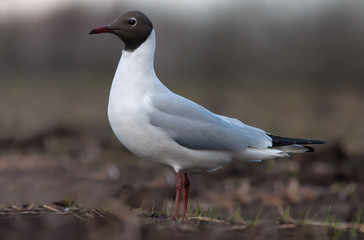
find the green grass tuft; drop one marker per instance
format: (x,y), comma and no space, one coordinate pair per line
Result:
(286,217)
(236,218)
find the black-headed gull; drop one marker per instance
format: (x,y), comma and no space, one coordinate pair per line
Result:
(159,125)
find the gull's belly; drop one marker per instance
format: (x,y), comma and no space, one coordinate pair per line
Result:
(132,128)
(135,133)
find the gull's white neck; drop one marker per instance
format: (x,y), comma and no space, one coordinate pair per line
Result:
(137,65)
(135,78)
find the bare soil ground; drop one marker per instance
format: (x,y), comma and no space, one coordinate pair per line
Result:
(53,186)
(63,175)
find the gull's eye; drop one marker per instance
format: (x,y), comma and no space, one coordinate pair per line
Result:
(132,21)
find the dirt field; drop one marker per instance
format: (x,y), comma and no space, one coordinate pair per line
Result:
(63,175)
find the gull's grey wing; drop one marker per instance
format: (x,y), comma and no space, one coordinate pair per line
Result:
(195,127)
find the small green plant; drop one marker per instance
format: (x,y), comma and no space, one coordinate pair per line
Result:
(140,209)
(336,222)
(315,215)
(171,210)
(358,216)
(163,211)
(356,222)
(286,217)
(237,215)
(257,217)
(328,216)
(254,220)
(189,208)
(199,211)
(207,213)
(331,220)
(153,210)
(214,213)
(307,214)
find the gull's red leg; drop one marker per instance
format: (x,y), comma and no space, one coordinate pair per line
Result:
(186,189)
(178,196)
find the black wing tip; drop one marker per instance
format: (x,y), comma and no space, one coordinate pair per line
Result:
(283,141)
(309,149)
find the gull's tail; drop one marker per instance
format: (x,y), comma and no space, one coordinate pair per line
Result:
(281,147)
(293,145)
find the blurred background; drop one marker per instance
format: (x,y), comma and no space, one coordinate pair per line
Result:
(293,68)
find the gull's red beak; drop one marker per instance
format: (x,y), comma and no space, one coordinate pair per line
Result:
(103,29)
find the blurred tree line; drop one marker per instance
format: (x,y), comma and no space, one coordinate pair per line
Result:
(256,41)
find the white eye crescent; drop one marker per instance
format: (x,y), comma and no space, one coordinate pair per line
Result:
(132,21)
